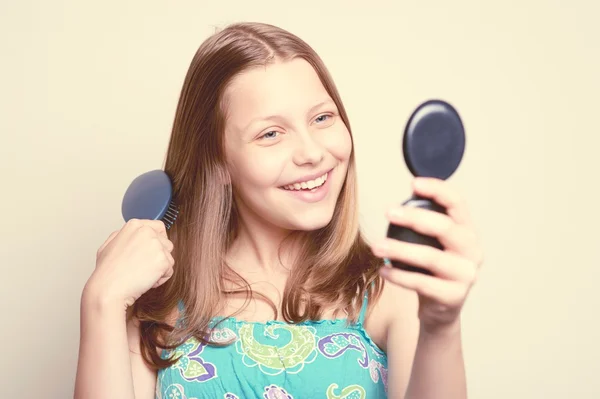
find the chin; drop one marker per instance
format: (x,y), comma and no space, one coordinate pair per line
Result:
(311,221)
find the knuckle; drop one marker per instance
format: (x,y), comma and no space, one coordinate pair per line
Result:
(157,225)
(160,225)
(134,222)
(146,231)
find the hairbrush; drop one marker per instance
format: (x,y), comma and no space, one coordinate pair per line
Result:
(433,146)
(150,197)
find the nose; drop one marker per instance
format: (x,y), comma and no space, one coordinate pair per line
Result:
(308,151)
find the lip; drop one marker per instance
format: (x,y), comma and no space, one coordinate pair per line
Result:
(308,177)
(313,196)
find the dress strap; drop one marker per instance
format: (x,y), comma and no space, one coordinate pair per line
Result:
(363,310)
(365,305)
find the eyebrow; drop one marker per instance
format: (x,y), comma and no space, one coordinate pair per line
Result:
(276,116)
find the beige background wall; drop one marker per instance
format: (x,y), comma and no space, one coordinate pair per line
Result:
(87,97)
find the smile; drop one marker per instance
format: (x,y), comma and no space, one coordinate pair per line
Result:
(307,185)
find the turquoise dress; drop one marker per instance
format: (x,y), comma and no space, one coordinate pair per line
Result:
(329,359)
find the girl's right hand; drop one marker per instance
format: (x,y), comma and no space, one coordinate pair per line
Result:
(131,261)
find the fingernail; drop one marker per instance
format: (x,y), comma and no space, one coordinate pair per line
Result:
(387,262)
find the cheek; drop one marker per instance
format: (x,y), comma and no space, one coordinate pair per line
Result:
(339,144)
(255,170)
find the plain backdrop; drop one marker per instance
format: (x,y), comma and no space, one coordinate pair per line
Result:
(88,92)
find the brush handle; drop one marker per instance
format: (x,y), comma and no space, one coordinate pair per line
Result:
(405,234)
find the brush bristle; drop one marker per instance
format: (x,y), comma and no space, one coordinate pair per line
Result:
(170,216)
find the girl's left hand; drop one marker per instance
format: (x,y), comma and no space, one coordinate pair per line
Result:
(454,269)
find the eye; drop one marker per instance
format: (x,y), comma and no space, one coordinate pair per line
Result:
(324,120)
(269,135)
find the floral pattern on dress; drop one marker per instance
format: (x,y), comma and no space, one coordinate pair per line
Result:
(191,365)
(174,391)
(335,345)
(350,392)
(275,392)
(275,359)
(338,361)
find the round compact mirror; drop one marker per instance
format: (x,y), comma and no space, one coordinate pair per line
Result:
(433,146)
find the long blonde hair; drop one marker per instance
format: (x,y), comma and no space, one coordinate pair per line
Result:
(334,266)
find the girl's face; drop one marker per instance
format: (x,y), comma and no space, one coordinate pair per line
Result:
(287,147)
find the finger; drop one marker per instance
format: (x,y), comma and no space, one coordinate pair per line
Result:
(164,278)
(454,237)
(156,225)
(443,194)
(168,273)
(159,227)
(443,264)
(169,257)
(160,282)
(442,291)
(108,240)
(166,243)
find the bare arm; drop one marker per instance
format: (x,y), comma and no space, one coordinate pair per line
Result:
(438,369)
(106,366)
(420,365)
(130,262)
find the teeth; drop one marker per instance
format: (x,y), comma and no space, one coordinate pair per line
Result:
(307,185)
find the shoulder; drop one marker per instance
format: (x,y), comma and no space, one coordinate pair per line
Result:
(394,311)
(393,324)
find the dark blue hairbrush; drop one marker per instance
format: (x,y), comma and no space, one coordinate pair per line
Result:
(433,146)
(150,197)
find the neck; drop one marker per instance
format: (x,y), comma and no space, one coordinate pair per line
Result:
(258,247)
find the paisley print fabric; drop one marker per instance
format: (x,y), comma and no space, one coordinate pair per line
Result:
(328,359)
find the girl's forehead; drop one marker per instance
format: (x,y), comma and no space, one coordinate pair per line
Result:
(278,89)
